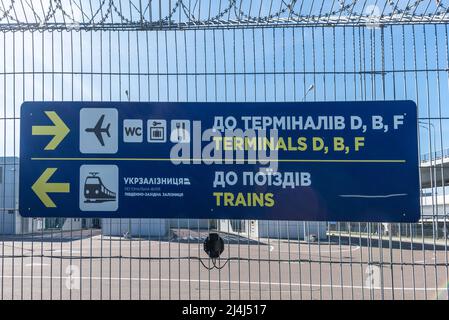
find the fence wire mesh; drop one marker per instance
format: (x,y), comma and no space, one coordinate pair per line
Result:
(225,51)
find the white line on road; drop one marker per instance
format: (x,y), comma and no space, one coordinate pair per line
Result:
(286,284)
(65,250)
(424,261)
(306,251)
(36,264)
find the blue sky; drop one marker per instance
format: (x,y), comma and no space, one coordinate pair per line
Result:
(263,64)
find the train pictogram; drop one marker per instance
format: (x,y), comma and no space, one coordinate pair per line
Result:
(95,191)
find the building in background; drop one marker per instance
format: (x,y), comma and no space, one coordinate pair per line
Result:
(432,219)
(12,223)
(246,228)
(10,220)
(135,227)
(294,230)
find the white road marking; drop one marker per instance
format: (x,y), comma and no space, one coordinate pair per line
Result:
(286,284)
(306,251)
(36,264)
(66,250)
(336,250)
(426,261)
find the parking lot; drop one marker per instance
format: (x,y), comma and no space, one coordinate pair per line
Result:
(87,265)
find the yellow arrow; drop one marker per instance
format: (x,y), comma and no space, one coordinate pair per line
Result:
(42,187)
(59,130)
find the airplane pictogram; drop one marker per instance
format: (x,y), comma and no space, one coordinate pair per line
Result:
(98,130)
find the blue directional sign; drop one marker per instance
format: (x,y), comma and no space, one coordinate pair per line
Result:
(334,161)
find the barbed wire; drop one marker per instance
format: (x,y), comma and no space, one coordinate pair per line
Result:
(115,14)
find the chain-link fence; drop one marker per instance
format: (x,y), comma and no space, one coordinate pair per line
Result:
(225,51)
